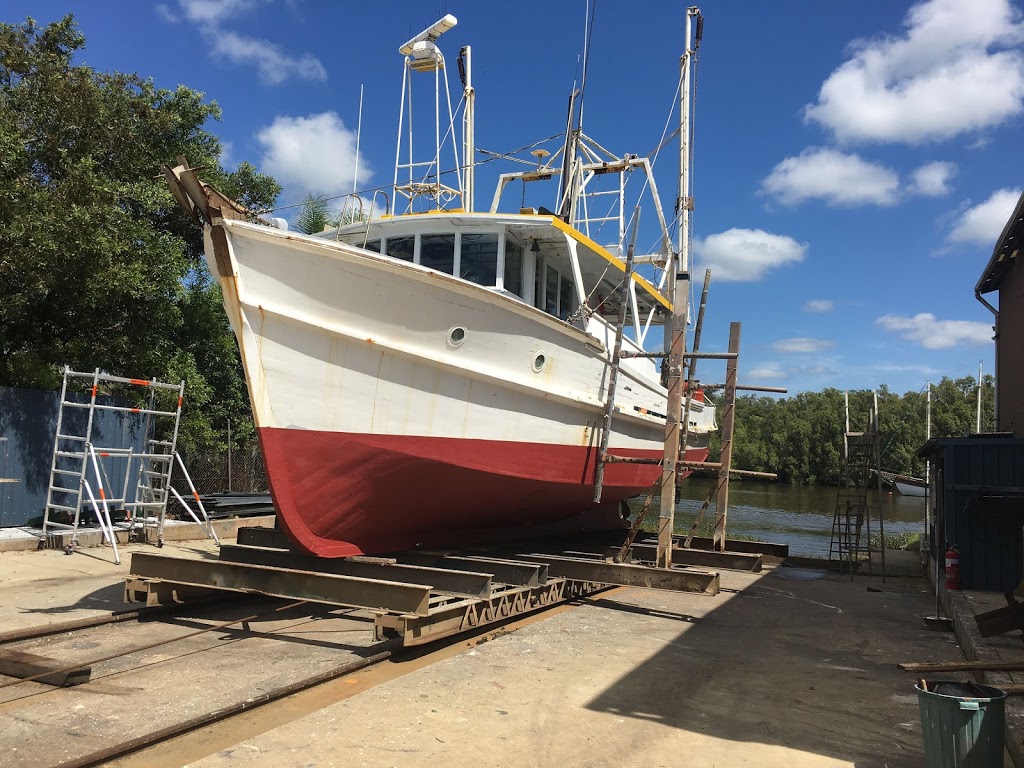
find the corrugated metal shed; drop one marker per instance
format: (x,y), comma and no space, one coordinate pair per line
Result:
(978,486)
(28,420)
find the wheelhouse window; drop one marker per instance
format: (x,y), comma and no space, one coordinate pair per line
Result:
(513,267)
(478,258)
(438,252)
(566,298)
(372,245)
(401,247)
(551,290)
(559,294)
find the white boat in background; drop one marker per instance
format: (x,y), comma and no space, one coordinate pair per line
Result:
(905,485)
(910,486)
(438,376)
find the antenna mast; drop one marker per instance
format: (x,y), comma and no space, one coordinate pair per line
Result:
(424,178)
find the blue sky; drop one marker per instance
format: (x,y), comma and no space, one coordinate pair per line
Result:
(854,162)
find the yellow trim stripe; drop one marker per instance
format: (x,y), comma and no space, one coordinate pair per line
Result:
(579,237)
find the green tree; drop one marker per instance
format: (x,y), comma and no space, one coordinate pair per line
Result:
(800,438)
(98,267)
(314,216)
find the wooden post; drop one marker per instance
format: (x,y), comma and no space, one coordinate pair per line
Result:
(722,504)
(877,457)
(669,477)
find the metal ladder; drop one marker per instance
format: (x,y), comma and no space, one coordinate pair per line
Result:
(613,366)
(851,522)
(76,452)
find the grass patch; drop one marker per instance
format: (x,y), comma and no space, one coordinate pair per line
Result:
(908,542)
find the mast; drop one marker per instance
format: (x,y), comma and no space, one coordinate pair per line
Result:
(468,127)
(680,283)
(359,132)
(684,203)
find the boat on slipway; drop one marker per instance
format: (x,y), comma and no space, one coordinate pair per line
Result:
(430,375)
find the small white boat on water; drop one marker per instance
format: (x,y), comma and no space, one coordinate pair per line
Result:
(429,375)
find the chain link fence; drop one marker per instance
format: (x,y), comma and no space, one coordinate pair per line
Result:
(238,471)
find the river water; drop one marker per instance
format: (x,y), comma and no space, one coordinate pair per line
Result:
(797,515)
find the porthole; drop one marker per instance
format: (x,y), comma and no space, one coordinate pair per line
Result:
(539,361)
(456,336)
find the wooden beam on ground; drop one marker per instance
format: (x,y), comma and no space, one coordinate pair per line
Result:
(1001,620)
(729,561)
(21,665)
(740,545)
(258,536)
(962,666)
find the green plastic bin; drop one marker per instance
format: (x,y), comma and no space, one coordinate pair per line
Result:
(961,731)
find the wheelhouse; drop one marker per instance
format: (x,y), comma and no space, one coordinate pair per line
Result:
(533,258)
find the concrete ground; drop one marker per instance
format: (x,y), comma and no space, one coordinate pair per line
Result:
(791,667)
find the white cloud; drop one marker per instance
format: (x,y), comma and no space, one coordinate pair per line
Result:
(766,371)
(213,12)
(838,178)
(802,345)
(166,13)
(819,305)
(983,223)
(273,64)
(932,179)
(213,17)
(924,370)
(932,333)
(952,71)
(746,254)
(227,149)
(316,153)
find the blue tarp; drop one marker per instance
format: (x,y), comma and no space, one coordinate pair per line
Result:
(28,422)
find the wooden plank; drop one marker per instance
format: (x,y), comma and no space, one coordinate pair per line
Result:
(961,666)
(21,665)
(1001,620)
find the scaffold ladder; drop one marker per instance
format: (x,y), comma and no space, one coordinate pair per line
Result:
(76,452)
(851,523)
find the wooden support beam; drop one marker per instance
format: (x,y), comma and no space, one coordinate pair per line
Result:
(22,665)
(728,420)
(674,412)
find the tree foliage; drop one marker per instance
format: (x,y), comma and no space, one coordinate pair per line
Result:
(314,216)
(98,267)
(800,438)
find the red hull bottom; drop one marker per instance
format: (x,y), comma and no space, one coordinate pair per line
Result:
(341,494)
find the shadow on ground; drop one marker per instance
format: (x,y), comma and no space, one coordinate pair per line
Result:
(798,659)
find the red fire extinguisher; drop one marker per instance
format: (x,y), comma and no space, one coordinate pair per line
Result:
(952,568)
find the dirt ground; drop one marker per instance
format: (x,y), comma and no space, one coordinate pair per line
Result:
(790,667)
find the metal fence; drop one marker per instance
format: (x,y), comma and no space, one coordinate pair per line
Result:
(238,470)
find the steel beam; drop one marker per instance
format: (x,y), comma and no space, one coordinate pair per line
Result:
(625,574)
(464,615)
(350,591)
(515,572)
(464,583)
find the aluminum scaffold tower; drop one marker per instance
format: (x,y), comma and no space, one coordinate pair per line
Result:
(81,469)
